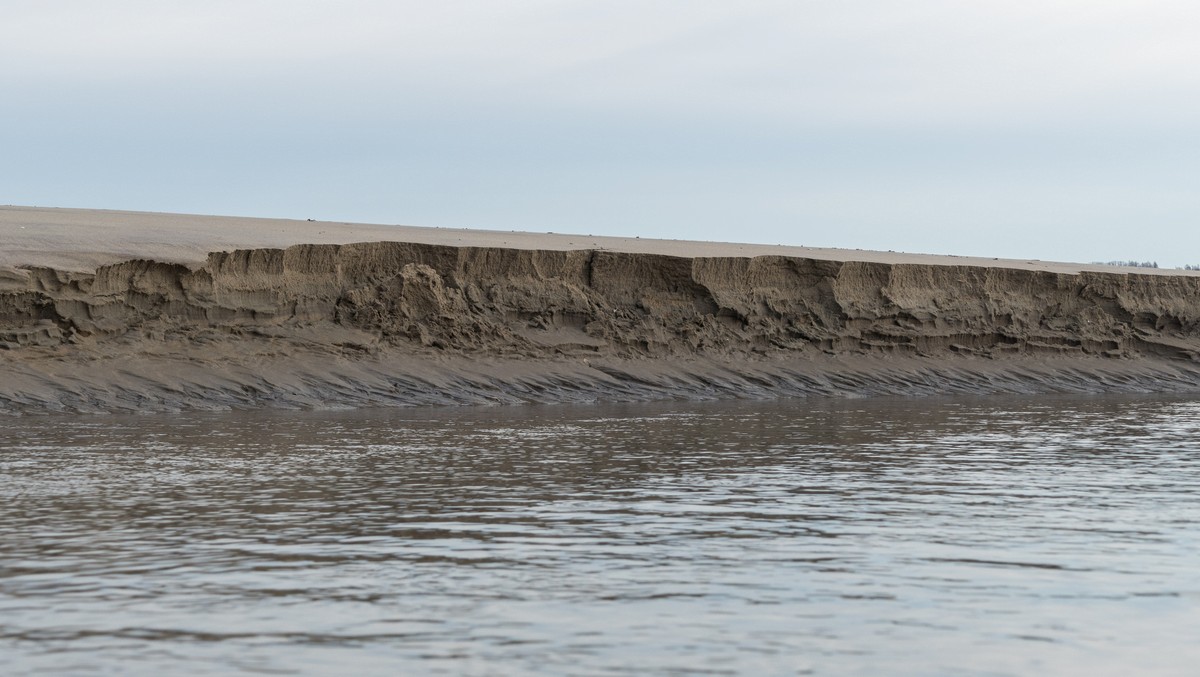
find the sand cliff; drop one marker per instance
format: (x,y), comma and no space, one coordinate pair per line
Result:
(400,323)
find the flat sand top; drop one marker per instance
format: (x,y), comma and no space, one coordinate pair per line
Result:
(82,239)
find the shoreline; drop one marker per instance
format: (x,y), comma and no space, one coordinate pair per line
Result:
(134,318)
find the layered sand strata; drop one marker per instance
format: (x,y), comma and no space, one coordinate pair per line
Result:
(116,311)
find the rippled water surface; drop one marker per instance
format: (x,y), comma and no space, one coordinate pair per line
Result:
(986,536)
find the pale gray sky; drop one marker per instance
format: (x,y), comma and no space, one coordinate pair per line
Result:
(1055,129)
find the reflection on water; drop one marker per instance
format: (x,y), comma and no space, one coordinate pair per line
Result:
(972,536)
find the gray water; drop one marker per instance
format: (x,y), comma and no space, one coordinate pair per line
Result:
(988,536)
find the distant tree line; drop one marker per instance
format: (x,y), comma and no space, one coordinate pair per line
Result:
(1143,264)
(1131,264)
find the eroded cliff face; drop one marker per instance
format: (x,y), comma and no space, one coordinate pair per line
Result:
(385,299)
(515,302)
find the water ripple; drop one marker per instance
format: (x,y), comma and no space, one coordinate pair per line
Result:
(904,537)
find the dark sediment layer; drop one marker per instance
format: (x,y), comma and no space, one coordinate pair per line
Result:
(390,323)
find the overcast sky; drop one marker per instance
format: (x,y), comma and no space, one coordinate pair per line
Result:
(1050,129)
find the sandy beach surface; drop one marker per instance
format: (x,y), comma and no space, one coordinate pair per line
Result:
(125,311)
(82,239)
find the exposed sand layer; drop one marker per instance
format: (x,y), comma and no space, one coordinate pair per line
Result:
(118,311)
